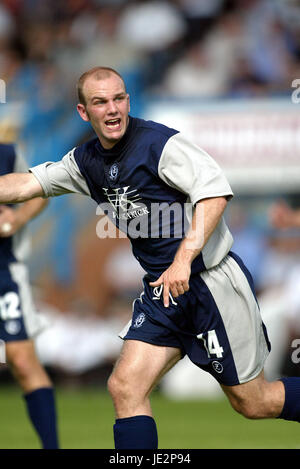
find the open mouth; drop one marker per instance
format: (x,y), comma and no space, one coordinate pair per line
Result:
(113,123)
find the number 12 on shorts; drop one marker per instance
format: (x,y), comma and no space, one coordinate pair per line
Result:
(211,343)
(9,306)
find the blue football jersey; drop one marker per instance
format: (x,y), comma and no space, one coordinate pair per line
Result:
(147,184)
(7,163)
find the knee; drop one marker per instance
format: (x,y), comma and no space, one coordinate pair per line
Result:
(125,391)
(118,387)
(112,385)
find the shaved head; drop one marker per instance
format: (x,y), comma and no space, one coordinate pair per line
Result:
(98,73)
(104,103)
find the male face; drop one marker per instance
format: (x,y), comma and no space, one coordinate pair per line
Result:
(106,108)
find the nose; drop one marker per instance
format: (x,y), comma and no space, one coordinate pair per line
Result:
(111,107)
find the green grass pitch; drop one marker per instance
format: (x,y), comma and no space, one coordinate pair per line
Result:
(86,417)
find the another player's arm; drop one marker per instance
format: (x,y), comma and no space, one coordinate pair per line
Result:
(16,188)
(12,220)
(19,187)
(207,214)
(49,179)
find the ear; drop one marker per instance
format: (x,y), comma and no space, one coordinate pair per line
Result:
(83,112)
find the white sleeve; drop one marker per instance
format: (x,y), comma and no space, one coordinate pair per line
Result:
(189,169)
(61,177)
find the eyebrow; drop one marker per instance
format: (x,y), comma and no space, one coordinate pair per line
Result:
(117,95)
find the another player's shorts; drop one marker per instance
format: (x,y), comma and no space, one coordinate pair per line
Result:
(18,317)
(217,323)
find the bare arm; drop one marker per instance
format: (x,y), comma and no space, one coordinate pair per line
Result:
(19,187)
(207,215)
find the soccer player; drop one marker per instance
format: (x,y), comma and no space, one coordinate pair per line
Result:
(198,296)
(18,320)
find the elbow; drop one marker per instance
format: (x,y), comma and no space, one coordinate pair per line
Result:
(223,201)
(44,203)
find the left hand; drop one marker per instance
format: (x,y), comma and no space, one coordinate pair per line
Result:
(175,281)
(9,224)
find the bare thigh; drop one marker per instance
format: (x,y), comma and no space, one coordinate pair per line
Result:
(138,370)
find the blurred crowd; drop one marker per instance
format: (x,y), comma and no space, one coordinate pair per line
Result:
(176,47)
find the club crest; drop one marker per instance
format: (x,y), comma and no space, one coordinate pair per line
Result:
(13,326)
(113,172)
(217,366)
(139,320)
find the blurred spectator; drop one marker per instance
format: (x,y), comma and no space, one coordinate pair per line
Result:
(280,301)
(7,25)
(282,216)
(281,256)
(199,16)
(154,29)
(107,46)
(226,44)
(249,238)
(194,75)
(268,51)
(151,25)
(245,83)
(201,8)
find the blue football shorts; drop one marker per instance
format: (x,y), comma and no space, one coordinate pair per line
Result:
(217,323)
(18,317)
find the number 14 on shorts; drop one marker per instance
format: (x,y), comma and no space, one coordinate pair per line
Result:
(211,343)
